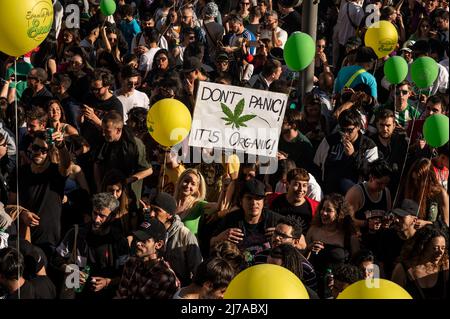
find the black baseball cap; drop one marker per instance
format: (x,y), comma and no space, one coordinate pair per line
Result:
(191,63)
(254,187)
(151,228)
(166,202)
(408,207)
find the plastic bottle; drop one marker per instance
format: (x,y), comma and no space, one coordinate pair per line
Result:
(87,271)
(328,281)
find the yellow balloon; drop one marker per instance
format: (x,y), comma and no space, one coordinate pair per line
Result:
(374,289)
(24,24)
(382,37)
(169,122)
(266,281)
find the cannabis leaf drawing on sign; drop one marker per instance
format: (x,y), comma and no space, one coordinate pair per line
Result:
(236,119)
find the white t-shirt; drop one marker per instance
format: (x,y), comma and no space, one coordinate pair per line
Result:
(137,99)
(282,35)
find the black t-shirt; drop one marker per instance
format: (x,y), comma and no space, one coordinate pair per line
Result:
(42,194)
(255,239)
(281,206)
(41,98)
(291,22)
(89,131)
(40,287)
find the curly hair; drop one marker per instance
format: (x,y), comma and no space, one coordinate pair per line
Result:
(342,210)
(347,273)
(413,254)
(231,253)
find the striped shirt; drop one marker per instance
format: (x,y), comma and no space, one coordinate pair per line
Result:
(406,115)
(235,40)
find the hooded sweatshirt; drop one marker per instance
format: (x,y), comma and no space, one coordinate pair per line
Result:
(182,251)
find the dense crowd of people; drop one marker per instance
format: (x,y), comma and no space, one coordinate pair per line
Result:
(93,208)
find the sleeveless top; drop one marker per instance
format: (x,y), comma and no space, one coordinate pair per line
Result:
(369,205)
(438,291)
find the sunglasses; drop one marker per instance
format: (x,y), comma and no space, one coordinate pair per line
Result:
(276,233)
(96,90)
(36,148)
(403,92)
(347,130)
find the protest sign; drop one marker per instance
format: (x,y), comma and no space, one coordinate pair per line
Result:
(237,118)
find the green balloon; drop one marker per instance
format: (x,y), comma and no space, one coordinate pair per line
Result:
(435,130)
(107,7)
(424,72)
(299,51)
(395,69)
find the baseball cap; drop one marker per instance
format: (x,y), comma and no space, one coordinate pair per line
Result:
(166,202)
(353,41)
(374,213)
(254,187)
(408,207)
(152,228)
(211,10)
(191,63)
(408,45)
(222,57)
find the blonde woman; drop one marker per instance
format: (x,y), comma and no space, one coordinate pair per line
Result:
(190,193)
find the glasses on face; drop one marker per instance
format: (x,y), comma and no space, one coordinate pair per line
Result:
(37,148)
(347,130)
(96,90)
(276,233)
(402,92)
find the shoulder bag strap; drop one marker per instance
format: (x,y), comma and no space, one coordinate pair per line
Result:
(353,77)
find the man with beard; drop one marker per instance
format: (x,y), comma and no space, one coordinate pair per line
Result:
(392,144)
(99,102)
(147,275)
(42,188)
(101,250)
(251,226)
(400,233)
(36,94)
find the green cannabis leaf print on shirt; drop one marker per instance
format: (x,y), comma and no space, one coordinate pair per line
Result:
(234,118)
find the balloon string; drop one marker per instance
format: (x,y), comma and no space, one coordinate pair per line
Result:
(17,170)
(406,157)
(163,169)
